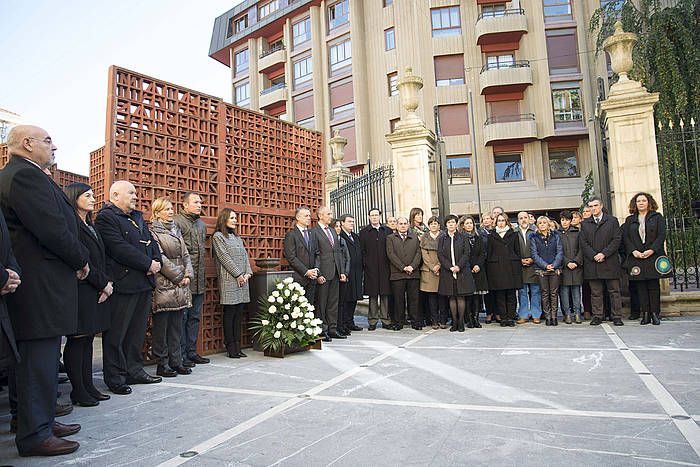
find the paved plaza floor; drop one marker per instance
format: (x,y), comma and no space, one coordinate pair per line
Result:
(527,396)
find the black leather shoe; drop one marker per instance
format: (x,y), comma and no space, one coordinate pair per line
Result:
(335,335)
(503,323)
(618,322)
(510,323)
(143,378)
(166,372)
(343,332)
(181,370)
(417,328)
(547,322)
(52,446)
(355,328)
(241,354)
(326,338)
(60,430)
(99,396)
(62,379)
(655,320)
(63,409)
(87,402)
(198,359)
(596,321)
(122,390)
(233,355)
(397,327)
(372,327)
(188,364)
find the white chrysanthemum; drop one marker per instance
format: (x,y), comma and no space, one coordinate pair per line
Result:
(287,306)
(293,325)
(287,293)
(280,286)
(317,331)
(277,334)
(288,280)
(285,317)
(311,308)
(264,322)
(307,320)
(303,299)
(272,309)
(280,325)
(297,309)
(302,327)
(275,293)
(309,331)
(271,299)
(295,297)
(279,300)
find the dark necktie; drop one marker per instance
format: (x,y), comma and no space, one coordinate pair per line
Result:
(306,237)
(330,236)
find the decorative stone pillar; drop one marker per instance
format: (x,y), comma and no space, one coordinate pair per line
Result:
(629,117)
(337,172)
(412,148)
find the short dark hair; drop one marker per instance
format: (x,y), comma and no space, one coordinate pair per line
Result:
(595,198)
(374,209)
(566,214)
(653,205)
(433,219)
(345,217)
(73,192)
(186,196)
(301,208)
(575,213)
(451,217)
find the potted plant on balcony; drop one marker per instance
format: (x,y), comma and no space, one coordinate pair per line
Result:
(285,322)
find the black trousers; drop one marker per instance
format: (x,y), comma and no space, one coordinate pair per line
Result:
(405,291)
(122,344)
(490,304)
(597,302)
(167,332)
(648,294)
(549,292)
(36,379)
(232,325)
(438,308)
(348,318)
(505,303)
(327,303)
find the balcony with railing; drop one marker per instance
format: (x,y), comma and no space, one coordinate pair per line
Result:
(512,76)
(273,95)
(272,59)
(521,128)
(504,26)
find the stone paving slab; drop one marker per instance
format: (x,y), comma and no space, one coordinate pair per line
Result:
(526,396)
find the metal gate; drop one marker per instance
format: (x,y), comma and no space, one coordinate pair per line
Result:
(357,194)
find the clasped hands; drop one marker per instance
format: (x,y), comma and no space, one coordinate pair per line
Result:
(241,280)
(642,255)
(13,281)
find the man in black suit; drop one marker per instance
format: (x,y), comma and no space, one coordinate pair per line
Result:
(301,251)
(376,270)
(133,259)
(9,281)
(43,228)
(351,291)
(331,272)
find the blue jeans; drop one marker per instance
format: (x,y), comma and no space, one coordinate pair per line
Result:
(190,326)
(570,296)
(529,301)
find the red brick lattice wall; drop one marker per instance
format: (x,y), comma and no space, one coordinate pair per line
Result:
(168,140)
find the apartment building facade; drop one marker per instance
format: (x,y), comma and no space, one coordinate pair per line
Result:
(528,66)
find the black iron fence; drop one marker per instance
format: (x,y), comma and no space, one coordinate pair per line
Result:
(679,167)
(357,194)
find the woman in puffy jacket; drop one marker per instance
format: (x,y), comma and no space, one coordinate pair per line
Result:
(172,293)
(548,254)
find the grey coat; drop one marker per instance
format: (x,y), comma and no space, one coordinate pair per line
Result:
(231,261)
(529,274)
(194,232)
(168,295)
(402,253)
(572,254)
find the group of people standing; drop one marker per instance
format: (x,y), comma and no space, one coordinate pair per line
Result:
(452,270)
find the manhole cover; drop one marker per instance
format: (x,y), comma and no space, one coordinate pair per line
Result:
(187,454)
(680,417)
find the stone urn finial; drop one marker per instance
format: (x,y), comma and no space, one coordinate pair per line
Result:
(338,144)
(408,87)
(620,46)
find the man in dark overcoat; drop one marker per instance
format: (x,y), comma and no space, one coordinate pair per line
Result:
(353,287)
(301,252)
(9,281)
(43,228)
(331,272)
(403,251)
(600,239)
(133,260)
(375,268)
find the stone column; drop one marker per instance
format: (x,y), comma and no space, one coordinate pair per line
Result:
(629,117)
(412,148)
(337,172)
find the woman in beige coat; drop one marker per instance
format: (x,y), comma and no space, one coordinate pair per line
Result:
(172,294)
(430,272)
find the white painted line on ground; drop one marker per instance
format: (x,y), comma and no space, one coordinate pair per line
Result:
(251,392)
(546,349)
(688,428)
(231,433)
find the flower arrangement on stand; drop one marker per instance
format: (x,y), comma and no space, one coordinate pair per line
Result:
(286,320)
